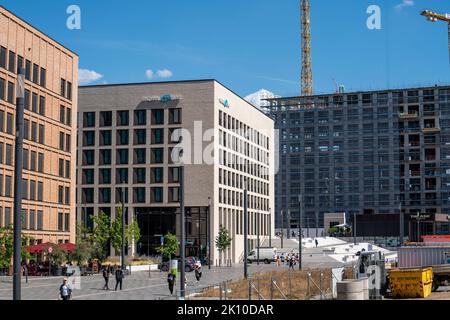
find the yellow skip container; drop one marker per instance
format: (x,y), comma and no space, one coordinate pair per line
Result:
(411,283)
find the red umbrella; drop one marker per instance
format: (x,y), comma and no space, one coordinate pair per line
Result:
(38,248)
(69,247)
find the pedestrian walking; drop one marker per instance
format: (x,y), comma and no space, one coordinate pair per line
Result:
(317,242)
(198,270)
(65,291)
(106,273)
(291,263)
(171,282)
(119,277)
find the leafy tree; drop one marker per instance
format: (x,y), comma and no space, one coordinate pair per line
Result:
(82,252)
(58,256)
(170,246)
(132,231)
(101,236)
(7,246)
(223,240)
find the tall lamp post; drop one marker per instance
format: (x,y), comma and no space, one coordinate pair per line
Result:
(183,233)
(18,163)
(123,229)
(300,216)
(209,219)
(288,232)
(354,229)
(245,229)
(282,227)
(270,227)
(257,233)
(402,223)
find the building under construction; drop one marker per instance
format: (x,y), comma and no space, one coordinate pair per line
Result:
(365,153)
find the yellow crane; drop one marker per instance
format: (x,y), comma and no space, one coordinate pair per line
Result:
(433,17)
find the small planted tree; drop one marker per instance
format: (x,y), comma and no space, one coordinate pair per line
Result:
(7,245)
(223,240)
(132,232)
(100,236)
(170,246)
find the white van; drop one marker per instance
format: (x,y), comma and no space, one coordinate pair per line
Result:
(266,255)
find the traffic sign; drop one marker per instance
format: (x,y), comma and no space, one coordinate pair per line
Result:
(50,249)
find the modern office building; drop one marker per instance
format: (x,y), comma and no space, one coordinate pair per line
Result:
(365,153)
(127,135)
(51,73)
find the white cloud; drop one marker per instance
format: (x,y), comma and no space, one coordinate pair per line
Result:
(165,73)
(149,73)
(404,4)
(86,76)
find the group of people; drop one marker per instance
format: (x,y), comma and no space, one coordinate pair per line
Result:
(289,259)
(117,271)
(171,277)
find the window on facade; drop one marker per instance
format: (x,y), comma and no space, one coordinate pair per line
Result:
(139,175)
(40,162)
(69,90)
(157,194)
(88,119)
(139,195)
(105,176)
(105,118)
(43,77)
(123,118)
(104,195)
(122,156)
(140,136)
(175,116)
(35,73)
(88,157)
(8,154)
(33,158)
(63,88)
(28,69)
(88,195)
(88,176)
(122,137)
(61,167)
(2,89)
(174,175)
(157,136)
(139,156)
(10,92)
(174,194)
(157,175)
(105,138)
(3,57)
(105,157)
(41,134)
(40,220)
(157,155)
(88,138)
(158,116)
(8,185)
(12,62)
(34,101)
(122,176)
(60,194)
(140,117)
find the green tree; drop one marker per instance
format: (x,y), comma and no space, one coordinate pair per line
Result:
(223,240)
(58,256)
(7,246)
(170,246)
(132,231)
(82,252)
(100,236)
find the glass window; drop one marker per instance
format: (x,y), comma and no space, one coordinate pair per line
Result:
(88,138)
(8,154)
(104,195)
(105,138)
(41,134)
(41,162)
(140,117)
(105,176)
(43,77)
(63,88)
(88,195)
(34,100)
(105,118)
(139,195)
(3,57)
(122,118)
(157,155)
(175,116)
(122,156)
(35,73)
(140,136)
(174,175)
(122,176)
(2,89)
(28,69)
(12,62)
(174,194)
(62,114)
(9,123)
(139,175)
(157,194)
(88,176)
(122,137)
(69,90)
(11,92)
(105,157)
(33,161)
(158,116)
(139,156)
(88,119)
(157,175)
(88,157)
(157,136)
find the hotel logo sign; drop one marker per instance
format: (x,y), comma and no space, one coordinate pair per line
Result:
(224,102)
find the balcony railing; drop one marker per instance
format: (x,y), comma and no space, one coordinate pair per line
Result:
(408,115)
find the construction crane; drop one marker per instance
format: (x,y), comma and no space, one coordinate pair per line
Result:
(307,76)
(433,17)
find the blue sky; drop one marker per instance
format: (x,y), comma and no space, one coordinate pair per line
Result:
(250,44)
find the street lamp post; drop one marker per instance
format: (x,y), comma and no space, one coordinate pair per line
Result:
(245,229)
(123,229)
(300,216)
(257,235)
(209,220)
(288,233)
(270,227)
(183,234)
(354,229)
(18,164)
(282,228)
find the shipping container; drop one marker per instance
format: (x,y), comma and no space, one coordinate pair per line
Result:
(423,256)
